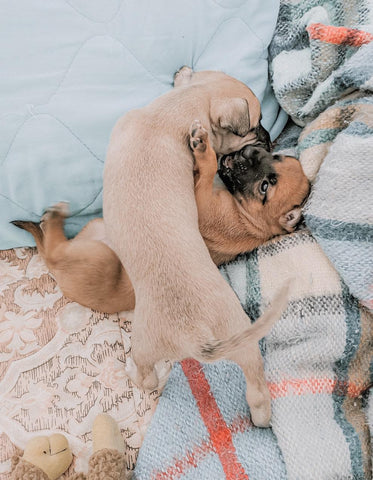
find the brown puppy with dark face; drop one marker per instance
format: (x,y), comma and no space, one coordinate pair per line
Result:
(264,197)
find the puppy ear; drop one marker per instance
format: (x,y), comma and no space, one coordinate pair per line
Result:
(231,114)
(290,220)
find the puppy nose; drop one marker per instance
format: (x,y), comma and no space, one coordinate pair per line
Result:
(250,153)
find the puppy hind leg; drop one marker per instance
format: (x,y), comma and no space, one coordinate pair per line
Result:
(52,226)
(80,265)
(49,233)
(257,393)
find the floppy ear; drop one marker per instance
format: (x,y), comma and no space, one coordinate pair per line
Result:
(231,114)
(290,220)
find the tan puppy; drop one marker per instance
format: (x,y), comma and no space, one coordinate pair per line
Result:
(184,308)
(183,304)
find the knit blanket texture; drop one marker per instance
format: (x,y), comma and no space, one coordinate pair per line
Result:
(318,357)
(322,72)
(317,364)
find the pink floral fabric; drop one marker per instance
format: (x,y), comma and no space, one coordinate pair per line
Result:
(60,365)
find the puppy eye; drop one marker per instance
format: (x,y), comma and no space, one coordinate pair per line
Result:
(263,187)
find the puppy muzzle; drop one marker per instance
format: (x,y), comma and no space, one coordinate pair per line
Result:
(239,170)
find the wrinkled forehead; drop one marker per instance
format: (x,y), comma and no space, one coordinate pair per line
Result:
(288,166)
(293,180)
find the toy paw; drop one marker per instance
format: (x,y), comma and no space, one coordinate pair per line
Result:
(50,455)
(107,464)
(22,470)
(106,434)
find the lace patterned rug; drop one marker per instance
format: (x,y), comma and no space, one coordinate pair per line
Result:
(60,365)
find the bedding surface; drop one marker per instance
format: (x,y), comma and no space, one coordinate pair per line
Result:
(317,361)
(70,69)
(60,365)
(332,97)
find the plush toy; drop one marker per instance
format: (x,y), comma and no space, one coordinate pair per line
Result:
(47,458)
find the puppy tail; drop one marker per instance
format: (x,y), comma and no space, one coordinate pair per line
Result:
(35,230)
(219,349)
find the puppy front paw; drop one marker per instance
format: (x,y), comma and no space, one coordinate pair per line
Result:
(198,137)
(183,76)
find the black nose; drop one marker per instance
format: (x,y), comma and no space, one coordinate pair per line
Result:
(250,152)
(254,155)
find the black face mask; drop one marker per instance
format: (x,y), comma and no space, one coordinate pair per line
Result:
(241,171)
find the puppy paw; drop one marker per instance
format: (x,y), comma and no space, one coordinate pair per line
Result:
(59,211)
(198,137)
(261,412)
(163,370)
(132,371)
(183,76)
(151,382)
(148,381)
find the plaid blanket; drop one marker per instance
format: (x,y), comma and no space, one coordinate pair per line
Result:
(318,357)
(322,70)
(317,363)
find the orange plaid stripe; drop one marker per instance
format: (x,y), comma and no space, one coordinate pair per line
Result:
(221,441)
(220,434)
(314,385)
(198,452)
(339,35)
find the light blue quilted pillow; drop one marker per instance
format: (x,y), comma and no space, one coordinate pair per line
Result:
(70,69)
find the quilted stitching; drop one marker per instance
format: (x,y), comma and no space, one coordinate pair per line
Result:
(73,68)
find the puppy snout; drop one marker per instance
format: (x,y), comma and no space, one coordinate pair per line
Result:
(253,156)
(250,153)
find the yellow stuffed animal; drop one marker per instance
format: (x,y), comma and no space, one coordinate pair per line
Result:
(47,458)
